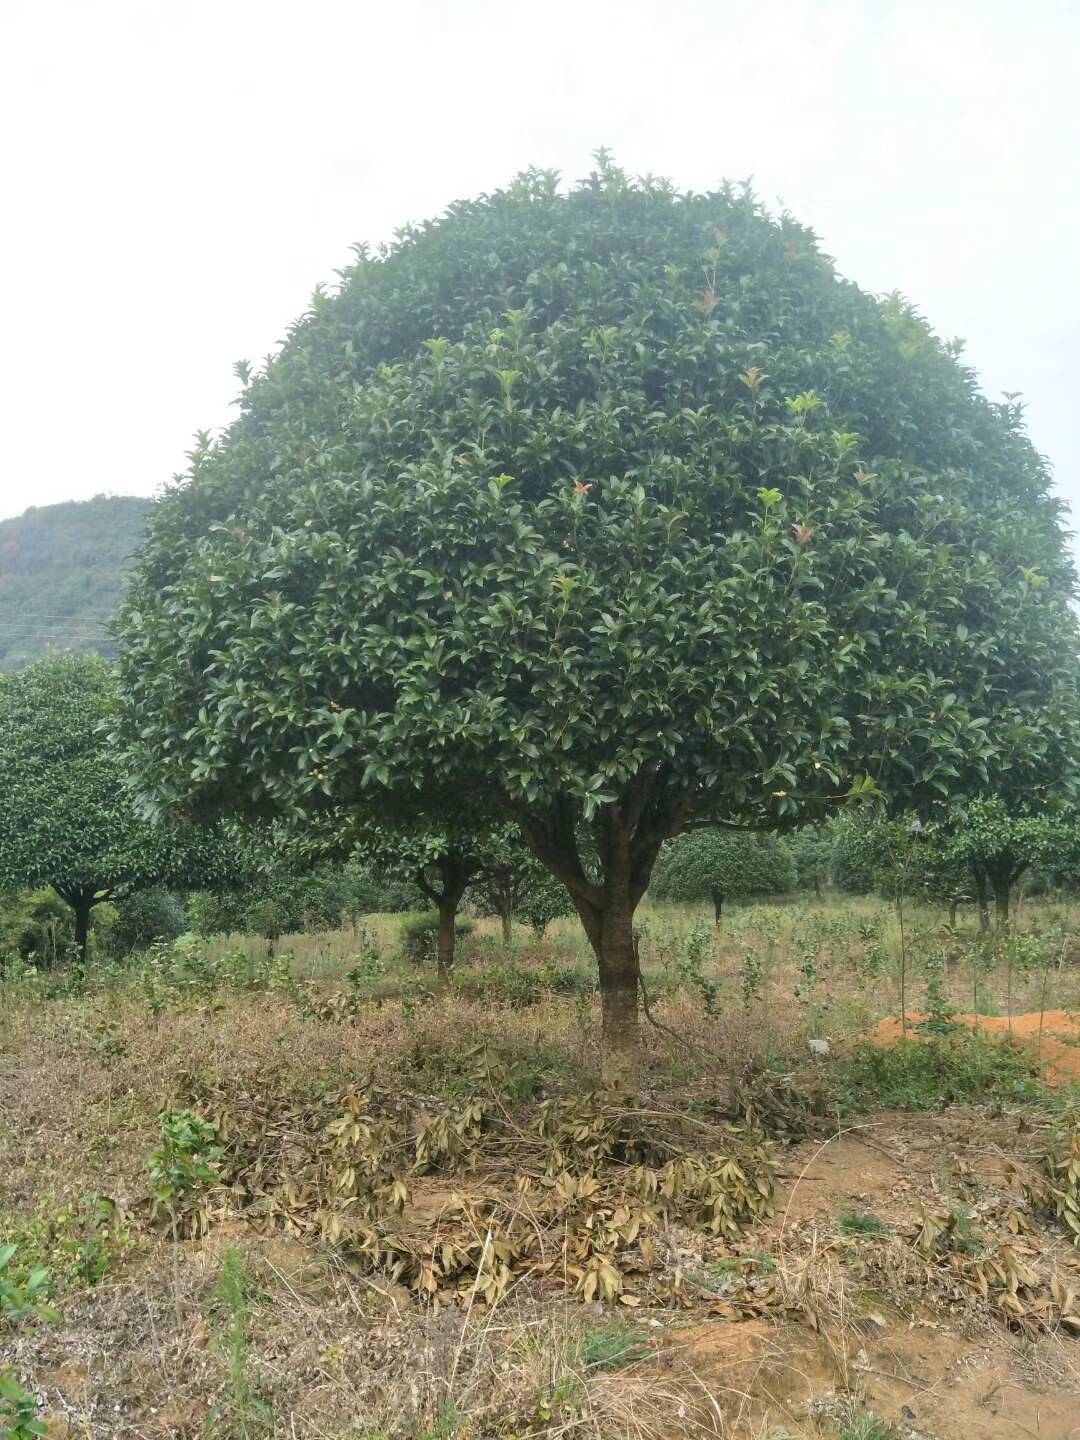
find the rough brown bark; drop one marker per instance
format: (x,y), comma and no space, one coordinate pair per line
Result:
(507,920)
(718,906)
(444,944)
(983,901)
(82,926)
(620,983)
(82,901)
(627,837)
(444,882)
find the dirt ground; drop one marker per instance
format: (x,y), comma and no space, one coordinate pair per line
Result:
(848,1325)
(904,1271)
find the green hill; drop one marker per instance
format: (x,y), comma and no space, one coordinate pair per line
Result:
(62,570)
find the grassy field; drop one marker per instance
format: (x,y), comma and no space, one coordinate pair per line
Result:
(301,1194)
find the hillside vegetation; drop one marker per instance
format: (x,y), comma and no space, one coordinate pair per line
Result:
(62,571)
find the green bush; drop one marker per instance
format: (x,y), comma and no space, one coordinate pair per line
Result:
(144,917)
(419,935)
(18,1410)
(508,983)
(953,1070)
(35,925)
(24,1289)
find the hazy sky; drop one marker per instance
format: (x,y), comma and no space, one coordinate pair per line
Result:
(178,174)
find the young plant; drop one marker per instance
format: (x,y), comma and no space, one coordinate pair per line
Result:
(752,974)
(181,1168)
(240,1414)
(939,1016)
(24,1294)
(696,947)
(18,1410)
(614,1347)
(857,1226)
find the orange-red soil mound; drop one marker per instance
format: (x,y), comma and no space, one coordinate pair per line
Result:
(1059,1058)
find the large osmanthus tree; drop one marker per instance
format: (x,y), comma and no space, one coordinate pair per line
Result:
(66,818)
(618,507)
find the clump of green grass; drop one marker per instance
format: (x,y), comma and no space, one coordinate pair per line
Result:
(614,1347)
(956,1070)
(868,1427)
(240,1414)
(856,1225)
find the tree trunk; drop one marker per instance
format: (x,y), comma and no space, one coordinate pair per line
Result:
(1002,889)
(454,871)
(609,925)
(82,905)
(718,906)
(817,886)
(981,897)
(507,919)
(620,981)
(627,838)
(444,945)
(82,900)
(952,913)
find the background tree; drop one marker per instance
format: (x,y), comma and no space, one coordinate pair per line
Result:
(856,854)
(996,845)
(66,819)
(545,899)
(621,509)
(717,865)
(514,883)
(811,849)
(444,859)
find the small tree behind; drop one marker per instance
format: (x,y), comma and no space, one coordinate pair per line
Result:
(717,865)
(515,884)
(812,851)
(66,819)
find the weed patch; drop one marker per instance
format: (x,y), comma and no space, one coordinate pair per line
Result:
(952,1070)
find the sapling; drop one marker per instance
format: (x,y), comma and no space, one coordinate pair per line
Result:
(18,1410)
(180,1170)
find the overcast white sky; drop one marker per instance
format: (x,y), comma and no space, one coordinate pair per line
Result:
(178,174)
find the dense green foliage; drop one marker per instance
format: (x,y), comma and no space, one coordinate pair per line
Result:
(812,851)
(62,570)
(977,851)
(515,885)
(34,924)
(66,819)
(146,916)
(616,507)
(716,865)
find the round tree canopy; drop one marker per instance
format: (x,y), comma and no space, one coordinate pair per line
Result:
(65,817)
(613,502)
(714,865)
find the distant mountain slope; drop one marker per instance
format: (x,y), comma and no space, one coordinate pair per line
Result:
(62,570)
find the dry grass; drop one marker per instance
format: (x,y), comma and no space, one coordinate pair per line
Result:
(326,1351)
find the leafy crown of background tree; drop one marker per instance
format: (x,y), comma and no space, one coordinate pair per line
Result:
(66,819)
(622,505)
(717,865)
